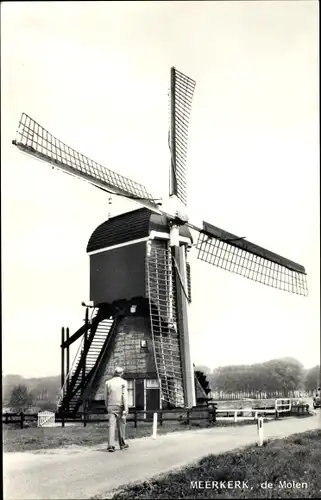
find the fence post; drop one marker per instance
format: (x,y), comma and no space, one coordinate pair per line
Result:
(214,412)
(135,419)
(21,419)
(260,431)
(235,416)
(161,417)
(209,415)
(84,416)
(154,425)
(188,418)
(62,420)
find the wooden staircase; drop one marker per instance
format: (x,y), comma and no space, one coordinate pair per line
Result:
(74,390)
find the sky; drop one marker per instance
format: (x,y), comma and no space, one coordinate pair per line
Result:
(96,75)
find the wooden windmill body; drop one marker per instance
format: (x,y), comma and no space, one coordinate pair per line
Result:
(140,285)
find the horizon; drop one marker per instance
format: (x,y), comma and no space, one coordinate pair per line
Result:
(307,368)
(96,76)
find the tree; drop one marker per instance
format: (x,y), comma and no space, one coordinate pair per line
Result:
(8,383)
(275,376)
(285,375)
(312,378)
(20,398)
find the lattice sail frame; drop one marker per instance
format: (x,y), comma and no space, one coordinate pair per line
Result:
(35,140)
(165,335)
(182,91)
(254,263)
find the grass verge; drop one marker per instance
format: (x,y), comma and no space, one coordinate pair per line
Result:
(37,438)
(295,459)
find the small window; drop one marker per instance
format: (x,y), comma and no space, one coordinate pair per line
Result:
(152,384)
(143,343)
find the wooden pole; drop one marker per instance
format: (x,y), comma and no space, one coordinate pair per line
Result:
(214,412)
(85,354)
(68,363)
(172,170)
(182,320)
(22,418)
(154,425)
(62,359)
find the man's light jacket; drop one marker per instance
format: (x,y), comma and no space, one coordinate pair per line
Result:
(116,393)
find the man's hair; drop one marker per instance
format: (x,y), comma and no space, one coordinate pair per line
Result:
(118,371)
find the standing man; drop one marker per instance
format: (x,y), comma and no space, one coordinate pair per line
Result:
(117,407)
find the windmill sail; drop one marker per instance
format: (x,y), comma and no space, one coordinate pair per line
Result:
(182,90)
(227,251)
(36,141)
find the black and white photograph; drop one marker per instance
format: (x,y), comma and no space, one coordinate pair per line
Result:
(161,301)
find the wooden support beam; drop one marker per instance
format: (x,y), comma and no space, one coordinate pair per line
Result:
(68,362)
(85,352)
(75,336)
(62,357)
(182,320)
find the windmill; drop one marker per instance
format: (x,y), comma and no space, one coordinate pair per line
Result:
(140,282)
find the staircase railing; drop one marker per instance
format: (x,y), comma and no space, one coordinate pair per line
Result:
(77,384)
(75,361)
(100,356)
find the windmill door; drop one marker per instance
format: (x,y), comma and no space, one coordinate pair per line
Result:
(152,395)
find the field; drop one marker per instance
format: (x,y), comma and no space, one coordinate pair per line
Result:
(280,462)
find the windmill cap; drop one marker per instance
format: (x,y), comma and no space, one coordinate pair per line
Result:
(118,370)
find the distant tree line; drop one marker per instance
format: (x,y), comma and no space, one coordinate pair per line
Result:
(283,376)
(20,393)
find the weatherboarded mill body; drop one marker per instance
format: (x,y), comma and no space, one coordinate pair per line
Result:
(133,292)
(130,267)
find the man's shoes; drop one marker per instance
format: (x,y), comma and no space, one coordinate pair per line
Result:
(111,448)
(124,446)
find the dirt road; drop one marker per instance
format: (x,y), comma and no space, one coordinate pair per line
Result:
(86,472)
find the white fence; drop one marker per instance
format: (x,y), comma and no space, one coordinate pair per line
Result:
(46,419)
(282,405)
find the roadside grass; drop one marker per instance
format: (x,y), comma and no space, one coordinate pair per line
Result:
(38,438)
(296,458)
